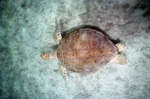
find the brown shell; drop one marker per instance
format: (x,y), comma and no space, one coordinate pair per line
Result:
(85,50)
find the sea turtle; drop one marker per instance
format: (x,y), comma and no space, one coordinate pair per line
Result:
(85,50)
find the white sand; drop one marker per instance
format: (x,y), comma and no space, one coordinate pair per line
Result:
(26,32)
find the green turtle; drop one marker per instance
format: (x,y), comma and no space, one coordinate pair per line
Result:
(85,50)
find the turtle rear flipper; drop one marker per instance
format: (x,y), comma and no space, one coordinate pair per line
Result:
(120,59)
(121,46)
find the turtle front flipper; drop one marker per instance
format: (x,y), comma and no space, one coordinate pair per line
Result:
(63,71)
(120,59)
(58,36)
(49,55)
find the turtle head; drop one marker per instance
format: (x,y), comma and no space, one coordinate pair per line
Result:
(49,55)
(45,56)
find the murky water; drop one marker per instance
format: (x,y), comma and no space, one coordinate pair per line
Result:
(27,28)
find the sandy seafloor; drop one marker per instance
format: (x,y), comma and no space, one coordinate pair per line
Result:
(26,31)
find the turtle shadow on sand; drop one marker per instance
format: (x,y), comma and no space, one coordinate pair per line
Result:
(54,47)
